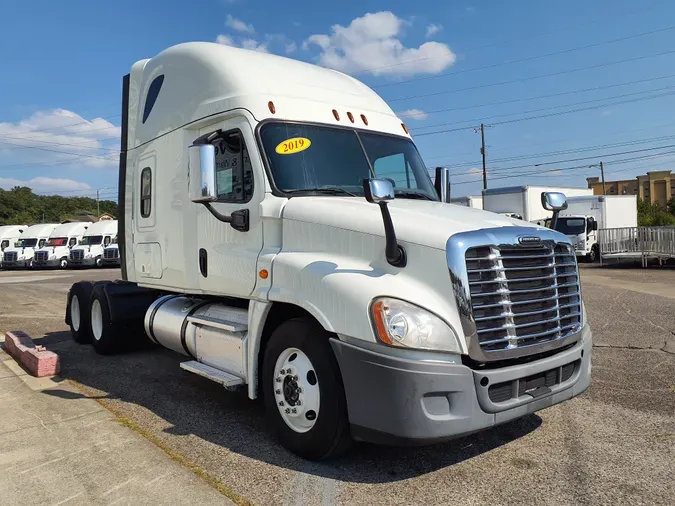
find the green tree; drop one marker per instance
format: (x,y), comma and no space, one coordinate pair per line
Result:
(653,215)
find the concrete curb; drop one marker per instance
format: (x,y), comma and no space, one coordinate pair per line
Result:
(34,358)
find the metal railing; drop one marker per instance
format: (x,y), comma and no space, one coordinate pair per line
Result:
(637,242)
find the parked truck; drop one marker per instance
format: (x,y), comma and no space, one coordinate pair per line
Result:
(9,235)
(279,229)
(61,242)
(90,250)
(525,201)
(111,254)
(475,201)
(584,216)
(20,256)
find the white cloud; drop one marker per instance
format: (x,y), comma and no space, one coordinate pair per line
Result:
(225,40)
(254,45)
(413,114)
(291,47)
(238,25)
(45,184)
(433,29)
(371,43)
(58,135)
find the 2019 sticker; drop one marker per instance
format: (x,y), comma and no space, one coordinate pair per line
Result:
(294,145)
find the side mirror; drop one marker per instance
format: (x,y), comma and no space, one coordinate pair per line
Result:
(442,183)
(595,225)
(202,173)
(554,201)
(378,190)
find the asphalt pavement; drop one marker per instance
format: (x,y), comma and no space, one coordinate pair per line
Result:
(615,444)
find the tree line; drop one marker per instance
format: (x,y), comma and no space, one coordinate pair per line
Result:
(20,206)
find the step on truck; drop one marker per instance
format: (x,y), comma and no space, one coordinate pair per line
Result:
(61,242)
(279,229)
(20,256)
(111,254)
(9,235)
(90,250)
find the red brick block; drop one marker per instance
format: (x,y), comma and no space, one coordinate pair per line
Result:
(36,359)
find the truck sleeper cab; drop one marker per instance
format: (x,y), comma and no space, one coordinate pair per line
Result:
(286,238)
(9,235)
(57,249)
(20,256)
(89,252)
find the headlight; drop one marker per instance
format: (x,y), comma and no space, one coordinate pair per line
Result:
(398,323)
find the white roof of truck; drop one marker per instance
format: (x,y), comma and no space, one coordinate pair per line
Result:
(11,230)
(67,229)
(202,79)
(105,227)
(39,231)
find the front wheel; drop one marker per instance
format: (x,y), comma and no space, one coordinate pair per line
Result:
(593,255)
(99,262)
(63,263)
(303,392)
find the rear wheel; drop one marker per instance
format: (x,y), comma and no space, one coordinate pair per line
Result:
(106,339)
(78,311)
(303,392)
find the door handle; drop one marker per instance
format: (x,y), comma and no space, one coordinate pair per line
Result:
(203,262)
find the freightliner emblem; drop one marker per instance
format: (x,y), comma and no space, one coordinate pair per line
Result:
(526,240)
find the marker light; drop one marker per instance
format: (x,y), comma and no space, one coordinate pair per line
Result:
(399,323)
(337,116)
(405,128)
(350,116)
(364,119)
(273,109)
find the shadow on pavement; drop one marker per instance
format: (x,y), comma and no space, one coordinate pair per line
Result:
(194,405)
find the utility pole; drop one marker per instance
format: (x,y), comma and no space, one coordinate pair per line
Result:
(482,152)
(602,173)
(98,205)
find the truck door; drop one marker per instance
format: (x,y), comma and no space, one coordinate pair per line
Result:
(227,257)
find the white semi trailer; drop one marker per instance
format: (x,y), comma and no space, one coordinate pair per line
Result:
(61,242)
(90,250)
(9,235)
(20,256)
(279,229)
(524,202)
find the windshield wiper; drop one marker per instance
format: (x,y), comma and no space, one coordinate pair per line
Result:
(328,191)
(411,195)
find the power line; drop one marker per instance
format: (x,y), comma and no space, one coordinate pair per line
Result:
(55,151)
(532,78)
(77,144)
(529,58)
(74,124)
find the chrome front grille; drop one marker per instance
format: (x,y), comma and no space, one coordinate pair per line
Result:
(41,256)
(10,256)
(77,255)
(111,254)
(523,295)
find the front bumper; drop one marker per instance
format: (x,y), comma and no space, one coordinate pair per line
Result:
(83,262)
(52,262)
(18,264)
(392,400)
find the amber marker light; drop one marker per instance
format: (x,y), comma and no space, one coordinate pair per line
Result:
(350,116)
(405,128)
(263,274)
(273,109)
(364,119)
(337,116)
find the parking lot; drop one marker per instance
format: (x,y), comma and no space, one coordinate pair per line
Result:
(615,444)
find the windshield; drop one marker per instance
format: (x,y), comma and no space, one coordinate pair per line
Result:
(571,226)
(57,241)
(91,240)
(26,243)
(303,158)
(114,241)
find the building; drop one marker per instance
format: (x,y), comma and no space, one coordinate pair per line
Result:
(654,187)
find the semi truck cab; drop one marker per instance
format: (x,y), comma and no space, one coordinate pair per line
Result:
(89,252)
(32,239)
(280,233)
(61,242)
(111,254)
(9,235)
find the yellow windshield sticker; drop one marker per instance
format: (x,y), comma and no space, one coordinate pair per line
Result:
(294,145)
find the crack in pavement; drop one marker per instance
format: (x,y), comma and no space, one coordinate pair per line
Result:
(664,348)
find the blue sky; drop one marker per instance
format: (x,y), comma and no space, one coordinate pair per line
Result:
(442,62)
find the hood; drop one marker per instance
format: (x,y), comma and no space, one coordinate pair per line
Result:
(420,222)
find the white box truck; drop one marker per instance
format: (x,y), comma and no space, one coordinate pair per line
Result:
(61,241)
(20,256)
(525,201)
(90,250)
(475,201)
(279,229)
(111,254)
(584,216)
(9,234)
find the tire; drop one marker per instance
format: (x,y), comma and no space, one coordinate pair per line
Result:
(327,434)
(99,262)
(78,310)
(63,263)
(593,255)
(105,337)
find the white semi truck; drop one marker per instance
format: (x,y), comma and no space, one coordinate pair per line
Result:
(475,201)
(90,250)
(20,256)
(279,229)
(61,242)
(111,254)
(9,234)
(524,202)
(584,216)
